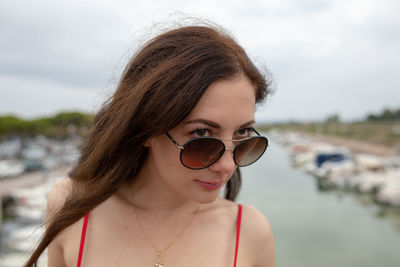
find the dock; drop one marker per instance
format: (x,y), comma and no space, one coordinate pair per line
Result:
(30,179)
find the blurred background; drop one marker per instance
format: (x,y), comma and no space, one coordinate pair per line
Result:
(330,180)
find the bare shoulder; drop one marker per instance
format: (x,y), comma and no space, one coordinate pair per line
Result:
(255,223)
(257,238)
(225,208)
(57,197)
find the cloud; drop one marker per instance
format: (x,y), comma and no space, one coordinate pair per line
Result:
(40,97)
(326,56)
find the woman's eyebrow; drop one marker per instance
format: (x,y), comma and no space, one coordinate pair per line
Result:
(207,122)
(214,124)
(248,123)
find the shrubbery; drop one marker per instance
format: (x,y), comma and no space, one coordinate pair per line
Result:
(57,126)
(386,115)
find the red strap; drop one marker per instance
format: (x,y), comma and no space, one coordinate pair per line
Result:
(83,236)
(238,222)
(86,219)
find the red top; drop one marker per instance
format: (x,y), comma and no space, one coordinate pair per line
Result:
(86,219)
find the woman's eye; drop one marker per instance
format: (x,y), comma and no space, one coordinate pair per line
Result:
(201,132)
(244,133)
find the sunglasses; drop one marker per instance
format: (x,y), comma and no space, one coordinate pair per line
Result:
(202,152)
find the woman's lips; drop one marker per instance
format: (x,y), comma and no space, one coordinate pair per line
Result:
(209,185)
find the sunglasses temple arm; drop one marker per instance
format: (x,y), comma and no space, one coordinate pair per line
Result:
(256,132)
(173,141)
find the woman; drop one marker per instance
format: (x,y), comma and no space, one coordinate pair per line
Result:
(146,189)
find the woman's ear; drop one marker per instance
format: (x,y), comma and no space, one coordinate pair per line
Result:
(147,143)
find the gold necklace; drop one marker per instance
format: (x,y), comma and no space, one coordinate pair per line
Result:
(160,252)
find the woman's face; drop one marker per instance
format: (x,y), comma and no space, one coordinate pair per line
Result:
(226,111)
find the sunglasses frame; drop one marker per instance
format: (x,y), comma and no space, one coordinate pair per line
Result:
(234,149)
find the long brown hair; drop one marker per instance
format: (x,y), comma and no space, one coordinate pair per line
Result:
(159,87)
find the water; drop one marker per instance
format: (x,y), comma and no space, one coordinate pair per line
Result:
(314,228)
(311,228)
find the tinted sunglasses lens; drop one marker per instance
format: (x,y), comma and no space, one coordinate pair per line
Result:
(201,153)
(249,151)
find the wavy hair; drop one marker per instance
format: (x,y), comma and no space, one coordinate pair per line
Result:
(159,87)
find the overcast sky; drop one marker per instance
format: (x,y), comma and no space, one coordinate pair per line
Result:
(325,57)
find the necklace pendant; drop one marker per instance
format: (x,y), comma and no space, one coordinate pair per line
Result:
(160,262)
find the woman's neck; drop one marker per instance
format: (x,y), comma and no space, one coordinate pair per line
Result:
(153,196)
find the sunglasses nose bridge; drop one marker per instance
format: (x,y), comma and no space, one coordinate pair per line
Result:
(228,144)
(229,147)
(226,161)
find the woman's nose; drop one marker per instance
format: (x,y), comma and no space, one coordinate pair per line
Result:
(225,164)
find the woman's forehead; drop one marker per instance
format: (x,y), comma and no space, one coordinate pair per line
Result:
(226,101)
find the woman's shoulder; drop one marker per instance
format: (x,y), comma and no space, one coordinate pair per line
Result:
(66,242)
(224,208)
(57,196)
(255,223)
(253,220)
(256,237)
(252,213)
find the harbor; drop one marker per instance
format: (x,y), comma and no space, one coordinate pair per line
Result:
(24,206)
(313,222)
(29,167)
(354,167)
(316,227)
(104,78)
